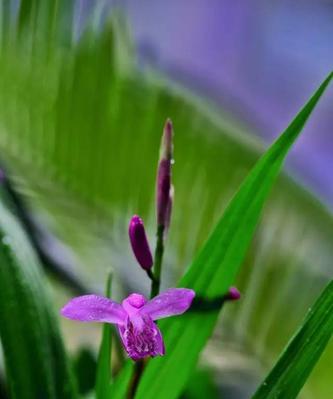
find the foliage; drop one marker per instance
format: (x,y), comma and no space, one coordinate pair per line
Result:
(302,353)
(80,126)
(35,359)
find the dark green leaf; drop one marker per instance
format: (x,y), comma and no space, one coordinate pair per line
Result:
(289,374)
(35,361)
(84,368)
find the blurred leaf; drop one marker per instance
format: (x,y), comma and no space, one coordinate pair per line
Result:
(103,375)
(35,361)
(40,22)
(214,270)
(289,374)
(201,385)
(84,367)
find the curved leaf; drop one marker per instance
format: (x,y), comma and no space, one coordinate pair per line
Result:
(35,360)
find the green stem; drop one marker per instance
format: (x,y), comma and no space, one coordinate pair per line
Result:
(155,286)
(150,275)
(138,370)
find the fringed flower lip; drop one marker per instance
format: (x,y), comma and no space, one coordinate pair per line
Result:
(134,317)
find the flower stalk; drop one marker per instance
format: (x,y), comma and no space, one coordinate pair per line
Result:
(134,383)
(158,258)
(164,202)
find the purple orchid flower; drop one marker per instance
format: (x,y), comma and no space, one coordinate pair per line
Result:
(134,317)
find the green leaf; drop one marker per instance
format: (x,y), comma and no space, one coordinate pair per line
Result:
(81,140)
(42,21)
(201,385)
(35,360)
(103,375)
(216,266)
(84,365)
(296,362)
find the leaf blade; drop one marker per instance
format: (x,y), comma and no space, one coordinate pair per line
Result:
(296,362)
(28,328)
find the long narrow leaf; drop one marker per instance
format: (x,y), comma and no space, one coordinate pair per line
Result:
(292,369)
(216,266)
(35,360)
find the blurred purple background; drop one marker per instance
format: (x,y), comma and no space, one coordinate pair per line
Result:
(261,60)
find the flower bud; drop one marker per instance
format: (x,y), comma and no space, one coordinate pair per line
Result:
(139,243)
(169,207)
(166,149)
(164,200)
(233,294)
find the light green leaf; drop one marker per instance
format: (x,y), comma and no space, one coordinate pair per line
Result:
(296,362)
(216,266)
(103,374)
(35,360)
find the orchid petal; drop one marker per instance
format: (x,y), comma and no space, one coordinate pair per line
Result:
(171,302)
(94,308)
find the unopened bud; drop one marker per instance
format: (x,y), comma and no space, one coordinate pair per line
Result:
(233,294)
(164,199)
(169,207)
(139,243)
(166,150)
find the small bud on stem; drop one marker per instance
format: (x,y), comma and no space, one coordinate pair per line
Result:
(233,294)
(139,243)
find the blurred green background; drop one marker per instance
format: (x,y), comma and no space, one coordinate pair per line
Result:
(80,125)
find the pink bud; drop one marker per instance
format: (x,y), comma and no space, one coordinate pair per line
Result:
(169,207)
(164,176)
(233,294)
(139,243)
